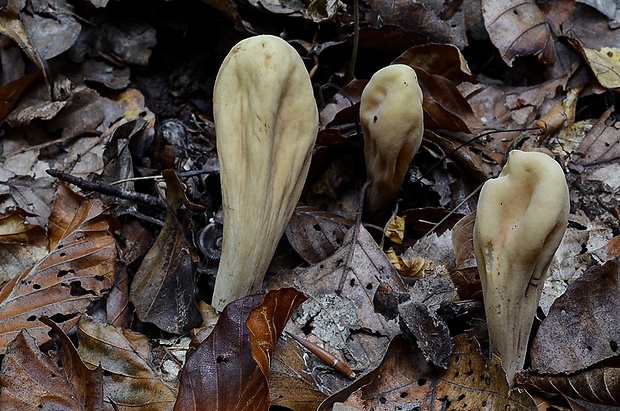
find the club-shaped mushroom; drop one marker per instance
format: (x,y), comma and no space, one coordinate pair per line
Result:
(266,122)
(393,125)
(520,222)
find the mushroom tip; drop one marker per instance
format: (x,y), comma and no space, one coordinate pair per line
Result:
(393,124)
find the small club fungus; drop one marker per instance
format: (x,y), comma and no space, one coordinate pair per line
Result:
(520,222)
(393,125)
(266,122)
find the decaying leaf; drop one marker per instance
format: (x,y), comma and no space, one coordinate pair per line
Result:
(12,27)
(445,60)
(422,19)
(77,271)
(465,275)
(404,380)
(315,234)
(601,143)
(418,316)
(343,321)
(428,330)
(291,382)
(597,386)
(572,259)
(518,28)
(12,92)
(221,371)
(609,251)
(163,289)
(31,380)
(266,323)
(322,10)
(130,380)
(583,327)
(21,244)
(444,106)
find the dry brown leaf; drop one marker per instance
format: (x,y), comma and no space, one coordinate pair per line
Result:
(292,384)
(340,110)
(315,234)
(473,159)
(162,290)
(33,381)
(21,244)
(444,106)
(422,19)
(465,276)
(131,380)
(12,92)
(598,385)
(64,208)
(345,323)
(601,143)
(404,379)
(221,371)
(444,60)
(77,271)
(583,326)
(12,27)
(518,28)
(33,194)
(266,322)
(88,111)
(118,310)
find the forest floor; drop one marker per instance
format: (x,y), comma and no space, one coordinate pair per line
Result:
(111,217)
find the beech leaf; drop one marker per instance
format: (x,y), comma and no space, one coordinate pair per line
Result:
(77,271)
(404,380)
(31,380)
(222,371)
(130,380)
(589,309)
(518,28)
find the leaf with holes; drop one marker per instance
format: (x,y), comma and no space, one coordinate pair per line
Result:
(31,380)
(229,370)
(131,380)
(583,326)
(76,272)
(339,314)
(315,234)
(405,381)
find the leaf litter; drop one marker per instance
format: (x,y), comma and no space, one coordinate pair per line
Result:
(116,96)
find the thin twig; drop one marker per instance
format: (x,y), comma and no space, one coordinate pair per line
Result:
(109,190)
(79,134)
(356,233)
(161,177)
(453,210)
(356,41)
(471,140)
